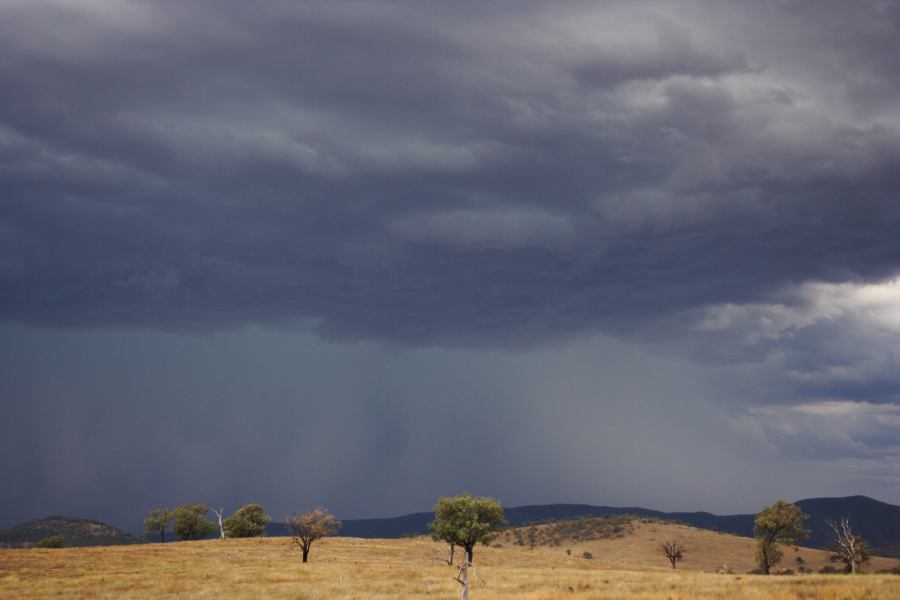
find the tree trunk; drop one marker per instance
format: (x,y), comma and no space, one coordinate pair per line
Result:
(672,560)
(452,554)
(469,552)
(465,581)
(162,536)
(305,553)
(219,514)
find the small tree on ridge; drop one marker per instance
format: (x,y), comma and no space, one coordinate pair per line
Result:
(157,522)
(466,521)
(311,526)
(673,550)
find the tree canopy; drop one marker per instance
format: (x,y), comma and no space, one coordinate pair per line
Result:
(191,522)
(466,520)
(248,521)
(157,523)
(781,523)
(308,527)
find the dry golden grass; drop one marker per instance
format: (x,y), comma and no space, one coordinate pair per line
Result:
(706,550)
(413,568)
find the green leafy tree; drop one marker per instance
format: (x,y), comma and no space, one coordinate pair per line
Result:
(52,541)
(191,522)
(311,526)
(781,523)
(247,521)
(157,523)
(466,521)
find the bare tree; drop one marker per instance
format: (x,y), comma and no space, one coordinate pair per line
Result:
(845,546)
(219,512)
(673,550)
(311,526)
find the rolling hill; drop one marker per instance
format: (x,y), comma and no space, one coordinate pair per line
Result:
(76,532)
(623,541)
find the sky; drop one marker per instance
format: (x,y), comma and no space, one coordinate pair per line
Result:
(363,254)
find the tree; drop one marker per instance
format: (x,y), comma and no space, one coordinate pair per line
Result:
(52,541)
(781,523)
(673,550)
(157,522)
(466,521)
(250,520)
(191,522)
(219,512)
(846,547)
(532,536)
(311,526)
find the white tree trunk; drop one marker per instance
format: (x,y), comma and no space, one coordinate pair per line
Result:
(219,512)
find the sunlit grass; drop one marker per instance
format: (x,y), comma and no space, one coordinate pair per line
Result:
(408,568)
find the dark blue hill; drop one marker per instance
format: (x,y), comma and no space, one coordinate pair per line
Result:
(877,522)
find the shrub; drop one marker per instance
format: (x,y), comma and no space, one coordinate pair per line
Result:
(587,554)
(52,541)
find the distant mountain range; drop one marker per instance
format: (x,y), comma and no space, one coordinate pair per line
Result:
(877,522)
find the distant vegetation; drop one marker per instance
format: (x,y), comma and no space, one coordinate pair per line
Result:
(53,541)
(576,529)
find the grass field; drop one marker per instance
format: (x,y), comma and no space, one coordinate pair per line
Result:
(626,567)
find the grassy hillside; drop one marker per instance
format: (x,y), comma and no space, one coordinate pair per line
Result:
(629,542)
(626,566)
(76,532)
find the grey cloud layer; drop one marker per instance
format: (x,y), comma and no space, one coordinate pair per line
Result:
(468,175)
(451,175)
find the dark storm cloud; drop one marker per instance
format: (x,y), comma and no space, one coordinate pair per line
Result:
(714,180)
(423,174)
